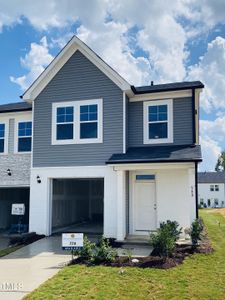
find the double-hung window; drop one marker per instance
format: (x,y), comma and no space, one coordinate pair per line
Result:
(2,137)
(77,122)
(89,121)
(65,123)
(158,121)
(24,136)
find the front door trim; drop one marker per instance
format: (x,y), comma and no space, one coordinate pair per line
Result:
(132,216)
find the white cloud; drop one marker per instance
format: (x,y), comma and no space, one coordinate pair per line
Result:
(52,13)
(111,44)
(212,139)
(211,71)
(210,153)
(213,129)
(159,32)
(35,62)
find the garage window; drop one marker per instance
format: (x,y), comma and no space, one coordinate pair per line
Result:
(2,138)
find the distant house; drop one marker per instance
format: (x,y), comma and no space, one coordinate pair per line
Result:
(211,190)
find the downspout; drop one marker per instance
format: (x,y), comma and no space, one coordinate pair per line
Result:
(193,117)
(124,123)
(196,189)
(194,142)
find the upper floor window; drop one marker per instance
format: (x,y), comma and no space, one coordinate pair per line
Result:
(214,187)
(158,122)
(77,122)
(89,121)
(65,119)
(24,136)
(2,138)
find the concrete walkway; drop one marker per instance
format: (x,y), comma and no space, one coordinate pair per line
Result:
(24,270)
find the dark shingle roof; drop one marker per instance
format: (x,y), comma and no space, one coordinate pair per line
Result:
(211,177)
(167,87)
(14,107)
(152,154)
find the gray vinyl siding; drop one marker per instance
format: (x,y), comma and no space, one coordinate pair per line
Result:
(77,80)
(11,135)
(182,123)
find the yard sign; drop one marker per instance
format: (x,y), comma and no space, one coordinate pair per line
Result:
(72,241)
(18,209)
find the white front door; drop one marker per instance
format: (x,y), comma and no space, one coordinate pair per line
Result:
(144,204)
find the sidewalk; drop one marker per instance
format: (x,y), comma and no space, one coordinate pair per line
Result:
(24,270)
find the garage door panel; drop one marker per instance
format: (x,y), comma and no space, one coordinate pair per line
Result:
(76,200)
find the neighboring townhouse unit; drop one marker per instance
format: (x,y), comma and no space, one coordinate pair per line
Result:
(15,159)
(211,191)
(107,157)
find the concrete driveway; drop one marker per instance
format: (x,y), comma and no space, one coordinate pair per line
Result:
(24,270)
(4,242)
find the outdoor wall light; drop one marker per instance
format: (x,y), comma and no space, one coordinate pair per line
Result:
(38,179)
(9,173)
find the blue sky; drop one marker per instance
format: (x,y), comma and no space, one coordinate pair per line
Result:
(143,40)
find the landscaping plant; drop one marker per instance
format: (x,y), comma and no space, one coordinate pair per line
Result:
(196,231)
(164,240)
(87,251)
(173,228)
(104,252)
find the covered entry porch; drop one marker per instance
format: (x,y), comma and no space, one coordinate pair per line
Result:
(155,184)
(148,194)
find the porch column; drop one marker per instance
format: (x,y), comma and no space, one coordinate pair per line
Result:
(121,205)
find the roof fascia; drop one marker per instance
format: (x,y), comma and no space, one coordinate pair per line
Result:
(73,45)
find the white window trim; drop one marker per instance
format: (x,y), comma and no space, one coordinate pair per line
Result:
(169,139)
(6,136)
(76,123)
(17,121)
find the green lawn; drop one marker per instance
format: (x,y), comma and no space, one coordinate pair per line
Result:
(199,277)
(8,250)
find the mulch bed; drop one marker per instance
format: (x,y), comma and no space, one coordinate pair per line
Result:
(25,239)
(153,261)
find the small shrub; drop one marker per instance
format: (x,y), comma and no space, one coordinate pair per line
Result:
(196,231)
(128,253)
(173,228)
(164,240)
(87,252)
(104,252)
(163,243)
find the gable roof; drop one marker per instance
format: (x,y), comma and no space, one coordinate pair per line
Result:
(15,107)
(211,177)
(175,86)
(158,154)
(71,47)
